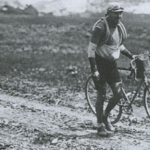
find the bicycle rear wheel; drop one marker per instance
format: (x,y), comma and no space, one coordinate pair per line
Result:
(147,101)
(91,97)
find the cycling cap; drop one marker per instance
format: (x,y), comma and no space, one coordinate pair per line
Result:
(114,8)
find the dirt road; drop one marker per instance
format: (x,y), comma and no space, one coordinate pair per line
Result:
(27,124)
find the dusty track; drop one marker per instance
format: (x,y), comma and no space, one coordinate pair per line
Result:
(27,124)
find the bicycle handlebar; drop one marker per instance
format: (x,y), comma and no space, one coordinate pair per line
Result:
(138,57)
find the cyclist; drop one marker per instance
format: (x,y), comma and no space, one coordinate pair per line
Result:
(104,49)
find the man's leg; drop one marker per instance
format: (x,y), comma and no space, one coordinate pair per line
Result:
(101,95)
(101,129)
(117,92)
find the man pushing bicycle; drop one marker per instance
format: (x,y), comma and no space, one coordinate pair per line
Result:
(104,49)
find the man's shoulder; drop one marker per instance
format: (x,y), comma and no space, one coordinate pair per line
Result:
(99,24)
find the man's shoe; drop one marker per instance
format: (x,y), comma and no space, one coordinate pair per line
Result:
(102,131)
(108,125)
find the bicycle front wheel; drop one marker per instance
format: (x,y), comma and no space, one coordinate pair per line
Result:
(147,101)
(91,97)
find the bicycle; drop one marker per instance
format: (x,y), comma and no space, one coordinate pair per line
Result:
(125,105)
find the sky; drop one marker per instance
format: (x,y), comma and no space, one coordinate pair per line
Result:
(80,5)
(75,5)
(31,1)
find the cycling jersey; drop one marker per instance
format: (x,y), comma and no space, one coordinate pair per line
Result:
(110,40)
(111,49)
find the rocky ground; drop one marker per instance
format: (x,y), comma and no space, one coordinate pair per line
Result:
(28,124)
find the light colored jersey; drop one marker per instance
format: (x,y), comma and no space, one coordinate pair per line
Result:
(111,49)
(107,42)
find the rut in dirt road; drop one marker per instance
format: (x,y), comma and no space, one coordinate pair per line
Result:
(27,124)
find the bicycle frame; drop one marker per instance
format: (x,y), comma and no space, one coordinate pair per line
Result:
(134,96)
(144,80)
(130,102)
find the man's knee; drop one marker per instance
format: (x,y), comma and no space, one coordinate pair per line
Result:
(101,95)
(119,95)
(117,90)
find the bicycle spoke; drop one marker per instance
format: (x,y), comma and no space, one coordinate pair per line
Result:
(91,84)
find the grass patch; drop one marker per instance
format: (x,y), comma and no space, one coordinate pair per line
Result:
(41,48)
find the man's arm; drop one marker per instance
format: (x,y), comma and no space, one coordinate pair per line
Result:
(91,55)
(92,48)
(126,52)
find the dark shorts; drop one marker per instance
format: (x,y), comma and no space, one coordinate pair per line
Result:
(108,71)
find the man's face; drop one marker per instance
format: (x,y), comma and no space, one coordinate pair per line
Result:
(114,17)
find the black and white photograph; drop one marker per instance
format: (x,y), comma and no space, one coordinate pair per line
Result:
(74,74)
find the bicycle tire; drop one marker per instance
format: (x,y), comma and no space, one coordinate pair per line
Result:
(91,95)
(147,101)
